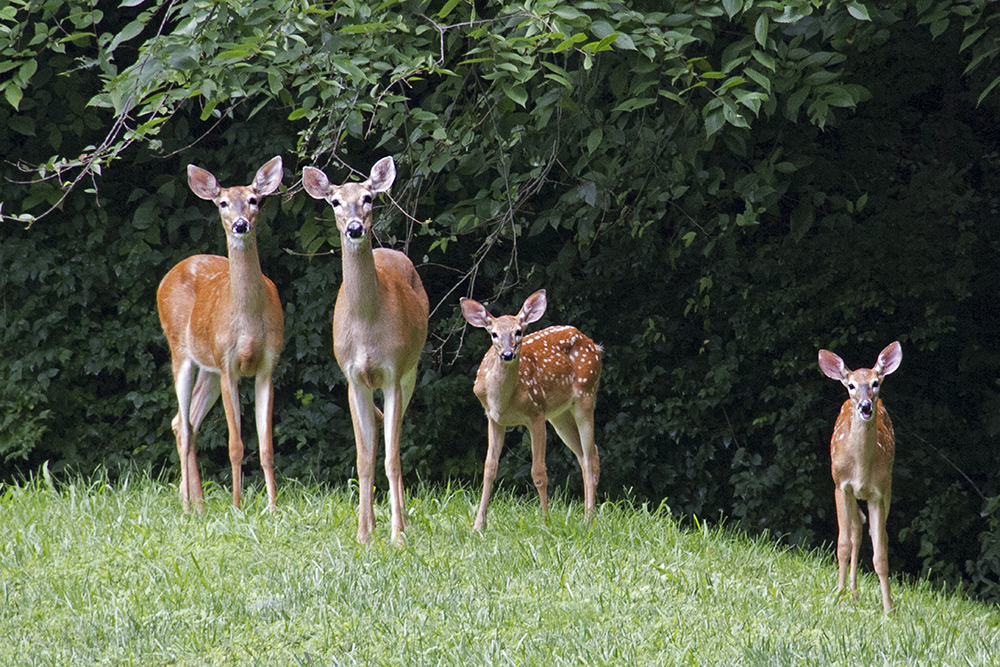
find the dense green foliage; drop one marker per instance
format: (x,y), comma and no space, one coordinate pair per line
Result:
(102,574)
(713,192)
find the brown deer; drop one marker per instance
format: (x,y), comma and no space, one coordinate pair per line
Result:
(379,330)
(862,450)
(525,380)
(223,317)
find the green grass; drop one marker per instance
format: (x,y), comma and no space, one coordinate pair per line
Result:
(95,574)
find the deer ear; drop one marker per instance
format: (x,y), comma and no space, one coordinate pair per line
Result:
(383,174)
(889,358)
(315,182)
(476,314)
(533,308)
(832,366)
(203,183)
(268,177)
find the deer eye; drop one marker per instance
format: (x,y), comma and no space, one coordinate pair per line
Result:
(518,333)
(252,201)
(875,384)
(335,203)
(367,199)
(223,203)
(850,386)
(494,334)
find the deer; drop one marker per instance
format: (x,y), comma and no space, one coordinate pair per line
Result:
(223,317)
(862,450)
(379,331)
(551,375)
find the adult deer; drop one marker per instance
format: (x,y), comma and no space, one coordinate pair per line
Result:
(379,330)
(862,450)
(223,317)
(549,375)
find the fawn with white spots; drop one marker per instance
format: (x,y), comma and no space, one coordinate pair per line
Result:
(525,380)
(379,329)
(862,450)
(223,317)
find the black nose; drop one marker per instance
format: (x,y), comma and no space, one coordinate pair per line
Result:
(507,356)
(241,226)
(865,408)
(355,230)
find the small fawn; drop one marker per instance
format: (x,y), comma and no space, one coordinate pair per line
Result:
(549,375)
(862,450)
(223,316)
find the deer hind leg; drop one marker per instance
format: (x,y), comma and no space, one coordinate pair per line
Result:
(583,413)
(181,424)
(206,392)
(366,440)
(263,405)
(578,434)
(538,470)
(495,435)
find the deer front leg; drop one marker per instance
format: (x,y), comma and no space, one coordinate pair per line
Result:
(847,538)
(264,407)
(877,514)
(496,434)
(366,441)
(231,402)
(538,470)
(393,415)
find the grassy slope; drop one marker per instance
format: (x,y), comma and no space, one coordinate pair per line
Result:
(116,576)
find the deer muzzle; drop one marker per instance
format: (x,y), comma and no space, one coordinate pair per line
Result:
(355,230)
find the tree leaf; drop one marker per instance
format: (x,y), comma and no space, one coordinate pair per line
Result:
(516,92)
(714,122)
(22,125)
(858,11)
(13,94)
(594,140)
(130,31)
(760,30)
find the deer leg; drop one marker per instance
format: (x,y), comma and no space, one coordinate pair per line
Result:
(181,424)
(846,518)
(206,392)
(496,434)
(231,403)
(393,414)
(366,440)
(569,432)
(877,513)
(264,407)
(538,470)
(857,520)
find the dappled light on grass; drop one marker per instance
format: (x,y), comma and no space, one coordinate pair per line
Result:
(92,573)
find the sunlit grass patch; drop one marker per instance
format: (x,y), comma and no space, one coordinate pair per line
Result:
(94,573)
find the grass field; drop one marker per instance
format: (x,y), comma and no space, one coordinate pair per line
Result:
(95,574)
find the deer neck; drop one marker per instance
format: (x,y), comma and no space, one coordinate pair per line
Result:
(501,388)
(246,281)
(361,283)
(863,435)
